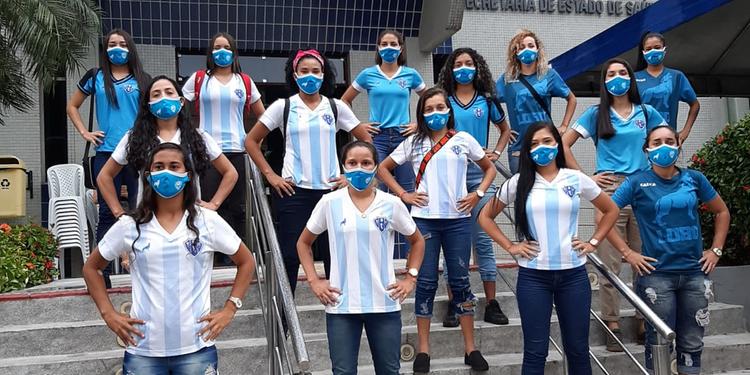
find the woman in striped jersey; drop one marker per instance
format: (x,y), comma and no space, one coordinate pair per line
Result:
(550,257)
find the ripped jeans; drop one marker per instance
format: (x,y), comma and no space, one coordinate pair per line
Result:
(454,236)
(202,362)
(681,300)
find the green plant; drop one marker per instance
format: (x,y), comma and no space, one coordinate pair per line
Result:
(725,161)
(27,255)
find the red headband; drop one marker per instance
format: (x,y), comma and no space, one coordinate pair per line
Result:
(309,52)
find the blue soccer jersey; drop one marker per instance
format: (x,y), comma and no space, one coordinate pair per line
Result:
(665,91)
(388,97)
(474,117)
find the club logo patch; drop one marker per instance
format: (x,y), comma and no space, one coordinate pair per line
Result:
(328,119)
(129,88)
(240,94)
(640,123)
(569,190)
(193,247)
(402,83)
(478,112)
(381,223)
(456,150)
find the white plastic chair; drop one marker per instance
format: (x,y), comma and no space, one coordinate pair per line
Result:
(66,210)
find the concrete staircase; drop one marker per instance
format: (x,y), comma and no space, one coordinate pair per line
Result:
(60,332)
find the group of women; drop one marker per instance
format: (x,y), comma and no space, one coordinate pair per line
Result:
(437,165)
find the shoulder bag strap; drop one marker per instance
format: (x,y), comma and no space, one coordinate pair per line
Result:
(536,95)
(428,156)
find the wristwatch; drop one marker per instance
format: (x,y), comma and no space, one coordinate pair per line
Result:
(480,193)
(413,272)
(496,152)
(717,251)
(594,242)
(236,301)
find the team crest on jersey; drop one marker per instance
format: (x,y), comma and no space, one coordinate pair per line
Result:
(456,149)
(478,112)
(328,119)
(640,123)
(569,190)
(239,93)
(381,223)
(129,88)
(193,247)
(402,83)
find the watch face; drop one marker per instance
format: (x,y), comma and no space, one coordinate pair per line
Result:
(414,272)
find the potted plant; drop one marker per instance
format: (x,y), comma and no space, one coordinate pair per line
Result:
(27,256)
(725,161)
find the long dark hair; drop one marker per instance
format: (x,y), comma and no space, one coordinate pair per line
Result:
(422,129)
(641,61)
(144,212)
(527,175)
(401,60)
(134,65)
(329,75)
(210,65)
(143,137)
(604,128)
(482,83)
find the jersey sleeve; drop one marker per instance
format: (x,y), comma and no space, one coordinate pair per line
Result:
(706,191)
(417,83)
(254,93)
(115,241)
(221,235)
(274,115)
(120,154)
(623,196)
(87,82)
(402,152)
(589,189)
(317,223)
(212,147)
(497,115)
(654,118)
(476,152)
(188,89)
(687,94)
(500,88)
(585,125)
(557,87)
(346,119)
(402,220)
(360,83)
(507,192)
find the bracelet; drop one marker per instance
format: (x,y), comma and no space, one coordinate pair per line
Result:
(496,152)
(626,255)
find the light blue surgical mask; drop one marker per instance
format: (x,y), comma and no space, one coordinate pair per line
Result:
(464,74)
(309,83)
(223,57)
(655,56)
(168,183)
(118,55)
(437,120)
(389,54)
(543,155)
(359,178)
(618,85)
(527,56)
(664,155)
(165,108)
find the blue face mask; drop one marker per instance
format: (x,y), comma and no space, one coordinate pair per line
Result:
(359,178)
(223,57)
(437,120)
(664,155)
(117,55)
(309,83)
(527,56)
(167,183)
(655,56)
(618,85)
(389,54)
(543,155)
(165,108)
(464,74)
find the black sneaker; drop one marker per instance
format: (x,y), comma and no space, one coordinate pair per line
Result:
(494,314)
(476,361)
(422,363)
(451,319)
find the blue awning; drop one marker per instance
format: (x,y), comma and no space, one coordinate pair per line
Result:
(709,40)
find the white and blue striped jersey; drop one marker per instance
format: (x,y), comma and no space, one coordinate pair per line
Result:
(311,160)
(361,246)
(444,180)
(552,210)
(221,109)
(171,278)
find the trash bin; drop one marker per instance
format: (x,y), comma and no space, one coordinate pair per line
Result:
(12,187)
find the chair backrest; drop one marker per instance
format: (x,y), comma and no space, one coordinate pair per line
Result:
(65,180)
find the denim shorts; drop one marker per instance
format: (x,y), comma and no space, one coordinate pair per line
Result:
(202,362)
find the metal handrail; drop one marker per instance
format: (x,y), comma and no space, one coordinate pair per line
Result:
(665,335)
(272,280)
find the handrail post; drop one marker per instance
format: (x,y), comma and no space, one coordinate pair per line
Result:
(661,358)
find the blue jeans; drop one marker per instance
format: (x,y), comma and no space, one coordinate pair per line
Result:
(570,291)
(454,236)
(485,252)
(512,162)
(681,300)
(383,334)
(204,361)
(385,142)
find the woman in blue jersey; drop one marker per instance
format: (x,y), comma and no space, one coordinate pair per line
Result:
(170,241)
(674,264)
(471,91)
(308,122)
(389,84)
(441,206)
(663,88)
(551,259)
(363,290)
(224,99)
(618,126)
(116,87)
(527,88)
